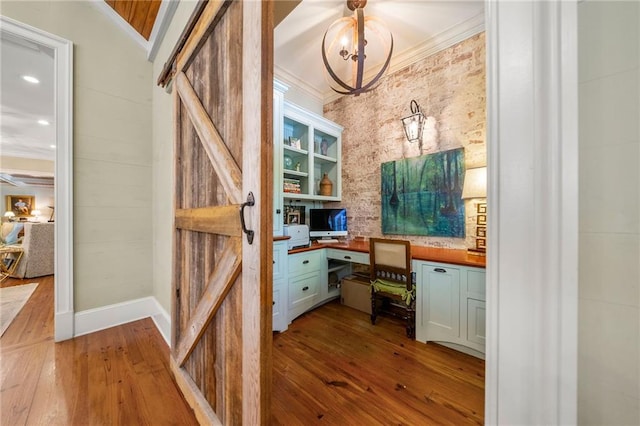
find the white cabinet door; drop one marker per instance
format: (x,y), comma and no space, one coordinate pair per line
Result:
(280,317)
(439,302)
(280,322)
(476,323)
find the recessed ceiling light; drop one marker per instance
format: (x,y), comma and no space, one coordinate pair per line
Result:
(43,122)
(30,79)
(52,146)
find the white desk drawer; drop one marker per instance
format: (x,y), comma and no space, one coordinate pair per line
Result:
(348,256)
(308,261)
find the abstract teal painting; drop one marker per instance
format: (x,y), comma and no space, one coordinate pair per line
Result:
(421,195)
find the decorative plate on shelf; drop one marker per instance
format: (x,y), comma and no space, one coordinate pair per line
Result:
(288,162)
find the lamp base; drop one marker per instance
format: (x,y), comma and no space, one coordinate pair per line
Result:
(477,252)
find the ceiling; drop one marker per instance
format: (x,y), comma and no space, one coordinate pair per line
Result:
(23,104)
(419,28)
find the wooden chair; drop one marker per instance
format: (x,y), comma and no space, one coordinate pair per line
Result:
(393,289)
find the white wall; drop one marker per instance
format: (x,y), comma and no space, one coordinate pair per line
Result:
(163,163)
(112,150)
(609,256)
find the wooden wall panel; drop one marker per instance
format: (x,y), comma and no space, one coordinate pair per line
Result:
(140,14)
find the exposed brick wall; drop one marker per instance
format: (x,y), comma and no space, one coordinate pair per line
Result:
(450,88)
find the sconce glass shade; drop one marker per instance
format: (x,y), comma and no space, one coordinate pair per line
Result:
(414,124)
(475,183)
(347,43)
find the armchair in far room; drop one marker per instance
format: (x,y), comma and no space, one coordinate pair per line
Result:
(38,251)
(393,289)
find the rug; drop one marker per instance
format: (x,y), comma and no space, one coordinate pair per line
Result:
(12,300)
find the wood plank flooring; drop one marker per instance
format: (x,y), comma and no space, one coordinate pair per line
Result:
(331,367)
(118,376)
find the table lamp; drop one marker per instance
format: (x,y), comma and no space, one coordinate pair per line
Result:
(475,186)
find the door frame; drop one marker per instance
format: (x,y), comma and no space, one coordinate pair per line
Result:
(63,98)
(532,262)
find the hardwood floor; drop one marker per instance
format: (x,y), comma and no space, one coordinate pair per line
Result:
(332,367)
(116,376)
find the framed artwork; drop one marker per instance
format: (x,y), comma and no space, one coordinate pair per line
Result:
(293,218)
(299,210)
(21,205)
(422,195)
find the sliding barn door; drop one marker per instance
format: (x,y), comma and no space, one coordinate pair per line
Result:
(221,79)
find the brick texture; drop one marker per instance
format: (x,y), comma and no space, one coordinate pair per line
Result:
(450,88)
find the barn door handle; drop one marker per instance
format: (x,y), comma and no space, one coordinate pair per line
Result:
(250,202)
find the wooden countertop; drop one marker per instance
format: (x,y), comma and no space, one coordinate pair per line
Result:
(431,254)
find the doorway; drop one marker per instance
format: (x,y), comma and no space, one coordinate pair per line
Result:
(63,170)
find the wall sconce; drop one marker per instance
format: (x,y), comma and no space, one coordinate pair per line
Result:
(414,124)
(475,186)
(9,215)
(344,57)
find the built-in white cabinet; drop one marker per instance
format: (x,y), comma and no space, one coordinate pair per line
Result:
(450,304)
(280,316)
(310,148)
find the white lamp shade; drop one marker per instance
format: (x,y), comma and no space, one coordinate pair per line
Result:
(9,214)
(35,212)
(475,183)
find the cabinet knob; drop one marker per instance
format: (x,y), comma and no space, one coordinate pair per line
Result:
(304,262)
(440,270)
(273,303)
(277,211)
(305,288)
(347,257)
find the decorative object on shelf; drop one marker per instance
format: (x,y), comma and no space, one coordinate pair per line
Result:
(53,210)
(288,162)
(299,210)
(294,142)
(298,166)
(35,214)
(475,186)
(421,195)
(326,186)
(10,215)
(414,124)
(347,40)
(21,205)
(324,147)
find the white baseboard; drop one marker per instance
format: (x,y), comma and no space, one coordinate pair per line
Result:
(63,326)
(97,319)
(162,320)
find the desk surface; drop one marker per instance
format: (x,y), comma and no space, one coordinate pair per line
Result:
(430,254)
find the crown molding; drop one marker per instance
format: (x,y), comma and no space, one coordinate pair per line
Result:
(291,80)
(120,22)
(435,44)
(160,26)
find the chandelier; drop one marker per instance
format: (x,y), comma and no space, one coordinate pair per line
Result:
(351,41)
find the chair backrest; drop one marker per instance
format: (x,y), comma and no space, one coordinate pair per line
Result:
(390,260)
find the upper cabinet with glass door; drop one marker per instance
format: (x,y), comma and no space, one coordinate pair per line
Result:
(312,156)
